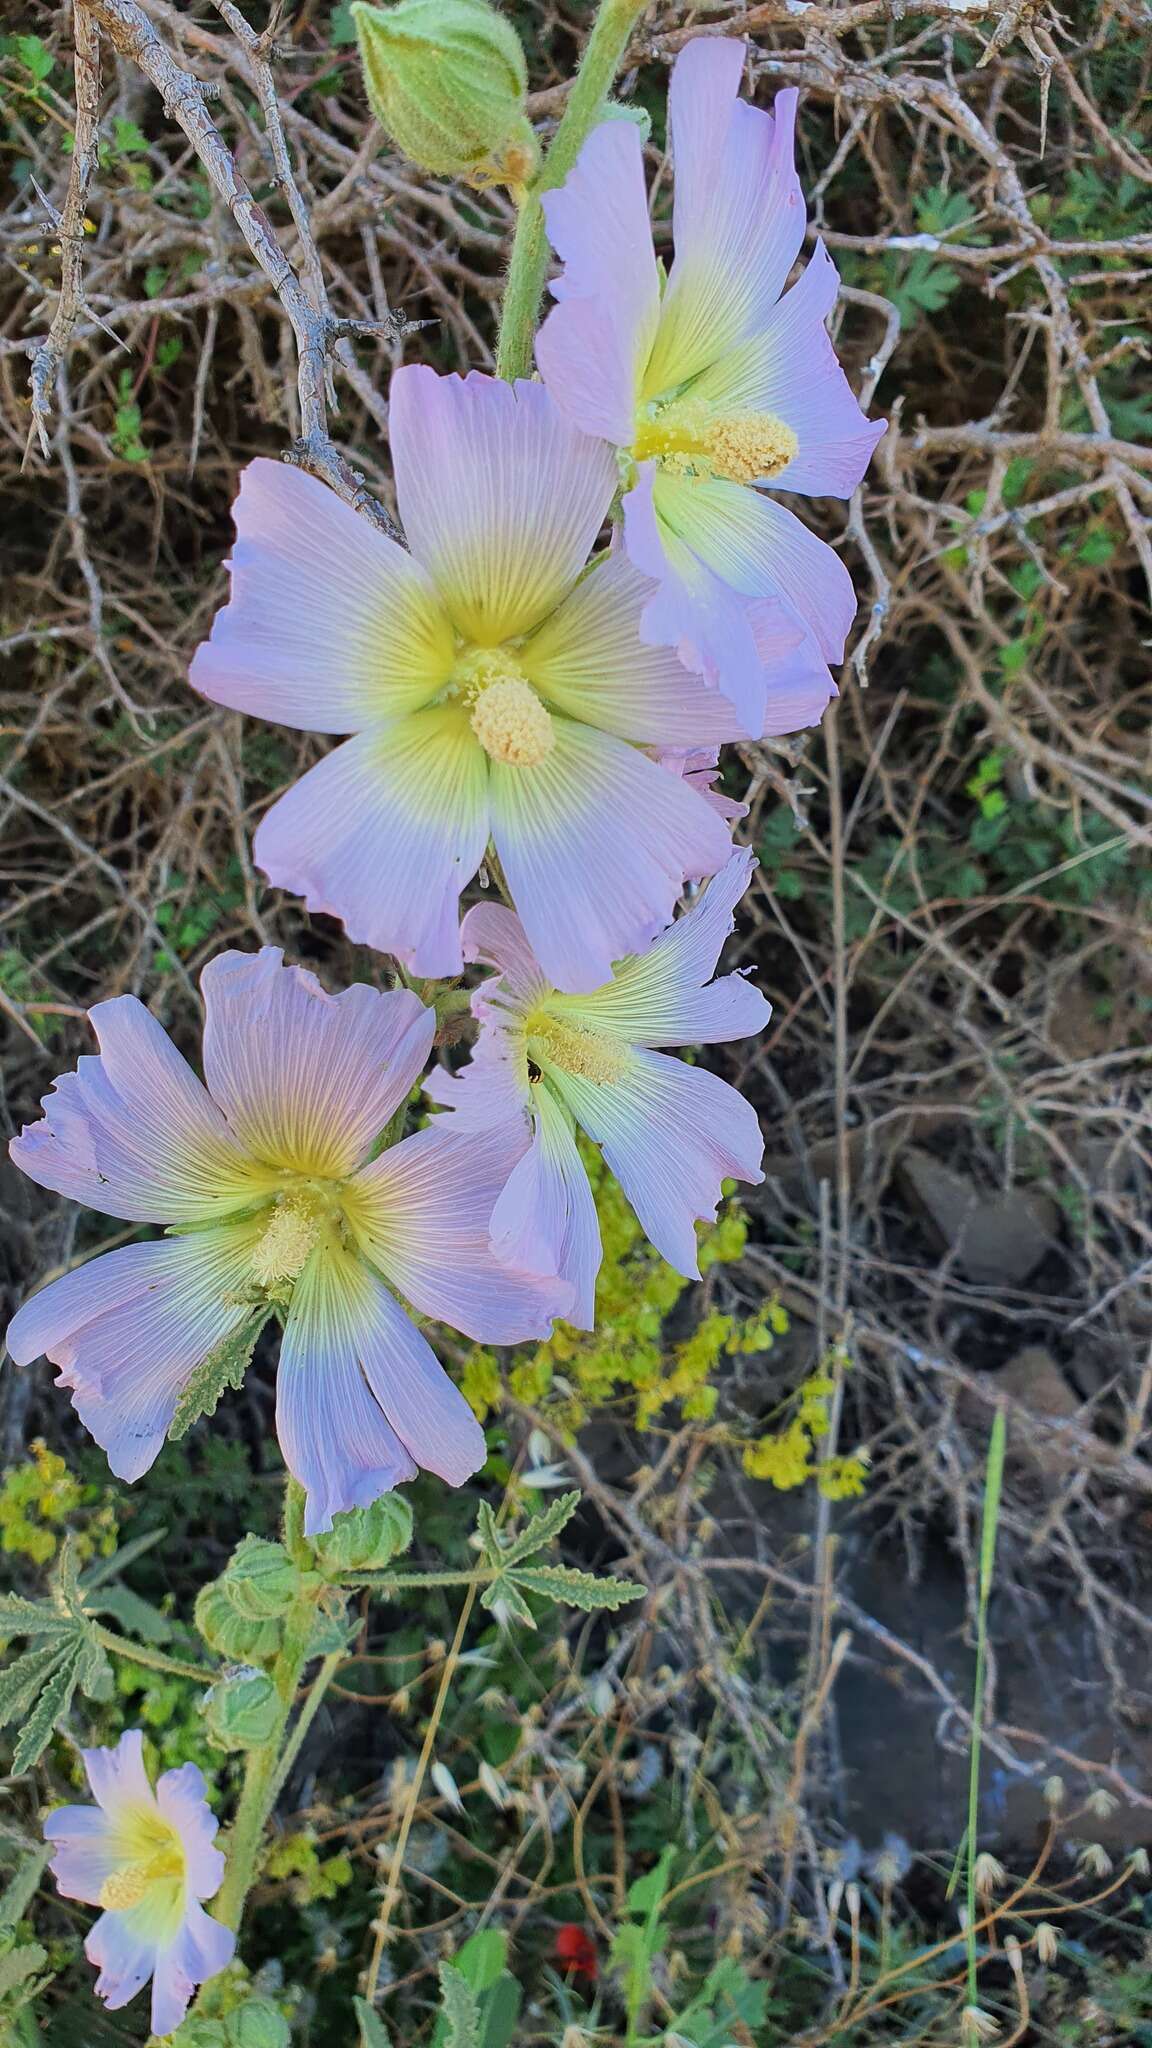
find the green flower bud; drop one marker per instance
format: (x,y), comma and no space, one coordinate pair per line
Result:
(258,2025)
(261,1580)
(242,1709)
(621,110)
(366,1539)
(229,1633)
(447,81)
(200,2033)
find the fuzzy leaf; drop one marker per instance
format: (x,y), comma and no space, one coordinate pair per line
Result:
(501,2012)
(24,1680)
(53,1703)
(18,1965)
(575,1589)
(22,1886)
(458,2003)
(503,1593)
(373,2032)
(540,1528)
(31,1618)
(137,1616)
(224,1367)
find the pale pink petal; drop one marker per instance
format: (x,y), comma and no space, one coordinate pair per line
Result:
(700,769)
(424,1217)
(124,1955)
(182,1798)
(55,1313)
(495,935)
(84,1852)
(545,1221)
(307,1080)
(330,625)
(133,1133)
(500,495)
(117,1776)
(671,1134)
(595,843)
(593,346)
(738,219)
(202,1949)
(385,833)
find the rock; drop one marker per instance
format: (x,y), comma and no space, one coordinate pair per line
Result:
(996,1239)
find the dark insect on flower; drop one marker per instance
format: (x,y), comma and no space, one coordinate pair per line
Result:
(575,1952)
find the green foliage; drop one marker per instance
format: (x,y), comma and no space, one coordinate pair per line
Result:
(518,1575)
(792,1454)
(312,1876)
(41,1500)
(125,435)
(37,1688)
(224,1367)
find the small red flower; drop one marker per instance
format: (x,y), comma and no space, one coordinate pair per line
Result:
(575,1951)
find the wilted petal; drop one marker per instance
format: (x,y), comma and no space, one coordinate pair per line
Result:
(124,1955)
(500,495)
(385,833)
(492,933)
(593,346)
(330,625)
(308,1080)
(595,843)
(133,1133)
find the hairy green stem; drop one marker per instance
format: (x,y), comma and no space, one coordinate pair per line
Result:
(529,260)
(990,1523)
(139,1653)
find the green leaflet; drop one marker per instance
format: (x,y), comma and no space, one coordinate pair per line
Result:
(373,2032)
(224,1367)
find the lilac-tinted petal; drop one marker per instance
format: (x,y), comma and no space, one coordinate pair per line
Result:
(593,346)
(426,1408)
(660,998)
(181,1796)
(330,625)
(117,1775)
(699,769)
(84,1853)
(124,1955)
(129,1364)
(595,843)
(133,1133)
(201,1950)
(306,1079)
(760,549)
(495,935)
(791,370)
(385,833)
(671,1133)
(423,1218)
(590,662)
(500,495)
(59,1310)
(334,1435)
(545,1221)
(738,219)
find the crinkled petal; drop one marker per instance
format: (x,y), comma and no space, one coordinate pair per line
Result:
(181,1796)
(385,833)
(117,1775)
(545,1221)
(492,933)
(133,1133)
(790,369)
(671,1134)
(738,218)
(422,1215)
(129,1362)
(700,768)
(84,1853)
(501,496)
(202,1949)
(761,550)
(306,1079)
(660,997)
(591,663)
(595,843)
(124,1955)
(595,342)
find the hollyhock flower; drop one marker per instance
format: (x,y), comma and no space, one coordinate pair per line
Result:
(714,388)
(275,1203)
(547,1063)
(498,692)
(146,1857)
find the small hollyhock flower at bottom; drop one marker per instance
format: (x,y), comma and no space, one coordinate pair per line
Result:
(547,1064)
(275,1204)
(146,1856)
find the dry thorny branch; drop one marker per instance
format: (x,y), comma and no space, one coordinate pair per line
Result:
(949,914)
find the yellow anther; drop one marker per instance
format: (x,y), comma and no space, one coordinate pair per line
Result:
(745,447)
(592,1055)
(289,1236)
(126,1887)
(512,724)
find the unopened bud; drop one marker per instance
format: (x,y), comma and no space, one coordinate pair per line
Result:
(1047,1942)
(1094,1858)
(365,1539)
(1101,1803)
(447,81)
(258,2025)
(261,1580)
(229,1633)
(1138,1862)
(242,1709)
(1054,1792)
(987,1873)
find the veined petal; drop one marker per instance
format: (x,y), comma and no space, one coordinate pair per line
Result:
(129,1359)
(422,1216)
(660,997)
(201,1949)
(761,550)
(133,1133)
(589,661)
(738,218)
(495,935)
(333,1432)
(594,344)
(385,833)
(501,496)
(595,843)
(671,1134)
(116,1776)
(182,1799)
(545,1221)
(307,1080)
(330,625)
(83,1851)
(124,1956)
(790,369)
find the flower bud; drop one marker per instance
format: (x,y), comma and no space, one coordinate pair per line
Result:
(366,1539)
(447,81)
(258,2025)
(241,1709)
(200,2033)
(229,1633)
(261,1580)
